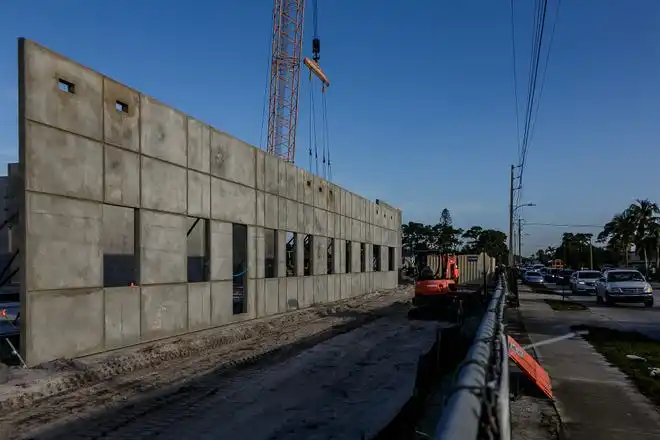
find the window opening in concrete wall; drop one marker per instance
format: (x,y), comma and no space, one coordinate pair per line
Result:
(307,255)
(239,264)
(349,256)
(390,258)
(198,245)
(120,262)
(363,257)
(291,270)
(331,256)
(270,254)
(66,86)
(121,107)
(376,258)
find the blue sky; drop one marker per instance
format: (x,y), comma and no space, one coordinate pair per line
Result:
(421,109)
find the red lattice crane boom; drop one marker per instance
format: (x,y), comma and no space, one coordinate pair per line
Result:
(284,83)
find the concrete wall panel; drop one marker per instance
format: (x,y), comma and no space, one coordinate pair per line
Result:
(199,154)
(221,250)
(271,214)
(292,302)
(221,302)
(163,248)
(163,186)
(163,131)
(63,163)
(199,306)
(121,115)
(233,202)
(121,176)
(199,194)
(78,314)
(102,142)
(63,243)
(291,181)
(164,311)
(45,74)
(122,316)
(232,159)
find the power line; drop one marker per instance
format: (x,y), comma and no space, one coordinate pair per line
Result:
(515,75)
(535,84)
(559,225)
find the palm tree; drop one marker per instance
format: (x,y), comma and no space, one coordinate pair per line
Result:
(644,215)
(619,233)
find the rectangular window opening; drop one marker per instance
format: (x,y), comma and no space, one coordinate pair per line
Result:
(121,107)
(331,256)
(363,257)
(239,265)
(270,255)
(349,257)
(198,248)
(66,86)
(376,260)
(390,258)
(120,256)
(291,269)
(307,255)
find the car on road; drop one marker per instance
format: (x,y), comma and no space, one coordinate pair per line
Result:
(564,277)
(533,277)
(584,281)
(551,275)
(624,286)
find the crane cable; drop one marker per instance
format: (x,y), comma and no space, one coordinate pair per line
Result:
(325,169)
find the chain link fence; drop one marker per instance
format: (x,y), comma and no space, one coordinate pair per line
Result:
(477,405)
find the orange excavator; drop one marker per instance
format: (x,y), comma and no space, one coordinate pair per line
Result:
(437,281)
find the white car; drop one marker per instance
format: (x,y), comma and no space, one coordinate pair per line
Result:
(533,277)
(624,286)
(584,281)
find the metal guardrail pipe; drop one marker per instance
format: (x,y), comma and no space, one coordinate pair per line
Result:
(504,403)
(462,416)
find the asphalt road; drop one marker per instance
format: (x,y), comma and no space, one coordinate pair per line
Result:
(624,316)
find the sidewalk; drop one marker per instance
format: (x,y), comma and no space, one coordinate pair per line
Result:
(595,400)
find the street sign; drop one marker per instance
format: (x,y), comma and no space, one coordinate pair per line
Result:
(472,258)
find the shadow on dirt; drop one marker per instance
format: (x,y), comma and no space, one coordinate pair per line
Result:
(103,424)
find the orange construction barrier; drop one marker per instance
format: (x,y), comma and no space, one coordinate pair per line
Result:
(529,365)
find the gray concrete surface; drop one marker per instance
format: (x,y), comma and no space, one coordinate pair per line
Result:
(100,143)
(633,317)
(595,400)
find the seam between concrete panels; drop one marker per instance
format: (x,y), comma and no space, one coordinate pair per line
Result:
(103,293)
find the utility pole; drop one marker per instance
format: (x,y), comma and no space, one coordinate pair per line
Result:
(520,238)
(511,217)
(591,255)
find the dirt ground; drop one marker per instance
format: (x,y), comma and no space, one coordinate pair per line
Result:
(533,418)
(161,372)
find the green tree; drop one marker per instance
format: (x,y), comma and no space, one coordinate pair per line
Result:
(490,241)
(644,216)
(619,235)
(447,237)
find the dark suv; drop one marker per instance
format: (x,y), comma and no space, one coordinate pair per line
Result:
(563,277)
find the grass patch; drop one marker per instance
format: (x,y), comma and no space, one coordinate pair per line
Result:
(614,345)
(560,305)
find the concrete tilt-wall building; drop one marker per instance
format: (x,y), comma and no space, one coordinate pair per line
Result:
(138,222)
